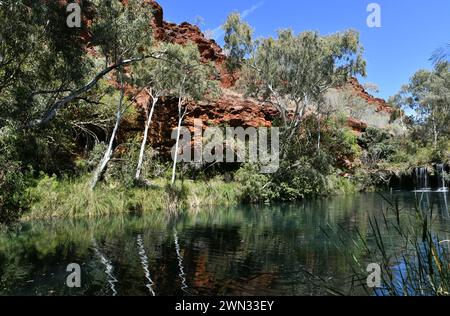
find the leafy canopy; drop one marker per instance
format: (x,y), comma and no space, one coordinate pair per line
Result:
(428,94)
(180,72)
(293,68)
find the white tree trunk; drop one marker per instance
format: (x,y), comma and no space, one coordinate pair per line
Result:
(107,157)
(98,173)
(177,144)
(180,121)
(436,134)
(144,141)
(319,133)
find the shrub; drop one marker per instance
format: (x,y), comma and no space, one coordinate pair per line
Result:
(337,184)
(13,201)
(298,181)
(253,185)
(378,145)
(13,181)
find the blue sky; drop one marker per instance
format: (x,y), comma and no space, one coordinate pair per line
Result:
(411,30)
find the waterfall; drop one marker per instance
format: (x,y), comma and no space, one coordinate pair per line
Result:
(422,178)
(441,176)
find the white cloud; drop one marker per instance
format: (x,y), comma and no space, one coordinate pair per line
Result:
(218,32)
(248,12)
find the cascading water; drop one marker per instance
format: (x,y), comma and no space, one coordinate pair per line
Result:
(422,183)
(441,175)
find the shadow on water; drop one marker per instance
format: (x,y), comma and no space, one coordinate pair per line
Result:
(260,250)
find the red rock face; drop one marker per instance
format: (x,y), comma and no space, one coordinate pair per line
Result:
(380,104)
(357,125)
(230,109)
(185,33)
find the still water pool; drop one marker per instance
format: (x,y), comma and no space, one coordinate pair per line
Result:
(263,250)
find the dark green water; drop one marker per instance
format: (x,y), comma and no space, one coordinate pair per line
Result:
(221,251)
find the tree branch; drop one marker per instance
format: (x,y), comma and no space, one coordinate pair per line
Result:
(50,114)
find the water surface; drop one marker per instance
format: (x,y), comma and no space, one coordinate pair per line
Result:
(259,250)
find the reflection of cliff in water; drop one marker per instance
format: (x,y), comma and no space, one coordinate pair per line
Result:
(261,250)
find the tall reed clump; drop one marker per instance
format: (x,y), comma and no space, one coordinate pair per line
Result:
(71,198)
(413,258)
(212,193)
(74,198)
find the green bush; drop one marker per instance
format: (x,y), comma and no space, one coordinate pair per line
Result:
(300,180)
(378,145)
(13,181)
(337,184)
(13,200)
(254,186)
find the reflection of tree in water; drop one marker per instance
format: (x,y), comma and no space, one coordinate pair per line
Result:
(182,275)
(145,267)
(259,250)
(109,269)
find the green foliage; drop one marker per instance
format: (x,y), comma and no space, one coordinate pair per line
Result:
(442,54)
(253,185)
(238,41)
(296,70)
(13,202)
(338,141)
(305,171)
(428,94)
(299,66)
(210,193)
(53,197)
(121,31)
(337,184)
(123,166)
(378,145)
(187,77)
(13,181)
(305,178)
(42,58)
(179,69)
(414,154)
(424,257)
(73,198)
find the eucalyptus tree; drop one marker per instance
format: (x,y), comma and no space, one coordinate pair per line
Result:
(154,90)
(238,41)
(442,54)
(122,33)
(428,94)
(292,72)
(188,79)
(152,76)
(40,60)
(179,74)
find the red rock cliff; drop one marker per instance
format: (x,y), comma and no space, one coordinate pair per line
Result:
(231,108)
